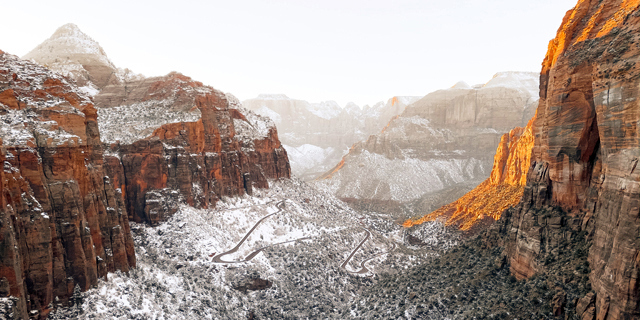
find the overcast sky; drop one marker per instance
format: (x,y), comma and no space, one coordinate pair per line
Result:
(342,50)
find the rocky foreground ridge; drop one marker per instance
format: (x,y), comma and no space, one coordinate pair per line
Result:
(585,156)
(69,192)
(582,182)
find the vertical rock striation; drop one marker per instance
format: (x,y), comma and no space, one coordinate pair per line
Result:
(62,223)
(585,156)
(500,191)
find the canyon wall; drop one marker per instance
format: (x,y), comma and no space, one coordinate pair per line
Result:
(317,135)
(76,173)
(585,157)
(62,222)
(440,144)
(503,189)
(225,150)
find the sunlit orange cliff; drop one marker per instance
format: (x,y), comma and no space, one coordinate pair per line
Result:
(501,190)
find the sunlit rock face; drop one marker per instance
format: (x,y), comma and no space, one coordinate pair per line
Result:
(62,221)
(317,135)
(501,190)
(446,139)
(585,156)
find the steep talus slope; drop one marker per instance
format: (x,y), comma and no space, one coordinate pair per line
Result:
(445,140)
(585,155)
(62,222)
(317,135)
(503,189)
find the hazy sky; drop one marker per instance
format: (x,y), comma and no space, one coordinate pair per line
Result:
(360,51)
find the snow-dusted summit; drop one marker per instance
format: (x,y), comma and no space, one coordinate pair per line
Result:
(74,54)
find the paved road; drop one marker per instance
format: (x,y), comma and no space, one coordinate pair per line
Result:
(344,264)
(218,258)
(363,268)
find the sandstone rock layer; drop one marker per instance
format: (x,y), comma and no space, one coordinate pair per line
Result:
(585,155)
(62,222)
(501,190)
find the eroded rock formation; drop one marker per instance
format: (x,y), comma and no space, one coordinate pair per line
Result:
(585,156)
(317,135)
(62,222)
(75,55)
(500,191)
(445,140)
(224,150)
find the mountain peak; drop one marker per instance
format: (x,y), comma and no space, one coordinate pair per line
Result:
(67,29)
(74,54)
(461,85)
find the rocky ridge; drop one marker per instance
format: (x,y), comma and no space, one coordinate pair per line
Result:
(317,135)
(445,140)
(69,193)
(77,56)
(585,156)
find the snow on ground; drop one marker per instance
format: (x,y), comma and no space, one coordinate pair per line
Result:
(256,127)
(398,179)
(266,112)
(130,123)
(175,277)
(307,156)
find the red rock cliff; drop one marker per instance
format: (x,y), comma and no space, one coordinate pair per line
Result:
(501,190)
(585,155)
(62,222)
(226,152)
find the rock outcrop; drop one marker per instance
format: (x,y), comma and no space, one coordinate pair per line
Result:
(317,135)
(75,55)
(445,140)
(69,191)
(224,150)
(62,222)
(584,171)
(493,196)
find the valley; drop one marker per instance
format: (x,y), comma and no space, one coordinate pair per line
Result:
(134,197)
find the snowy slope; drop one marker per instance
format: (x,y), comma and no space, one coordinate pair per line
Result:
(177,279)
(317,135)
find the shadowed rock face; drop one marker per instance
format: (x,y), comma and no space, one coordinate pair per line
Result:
(62,222)
(585,155)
